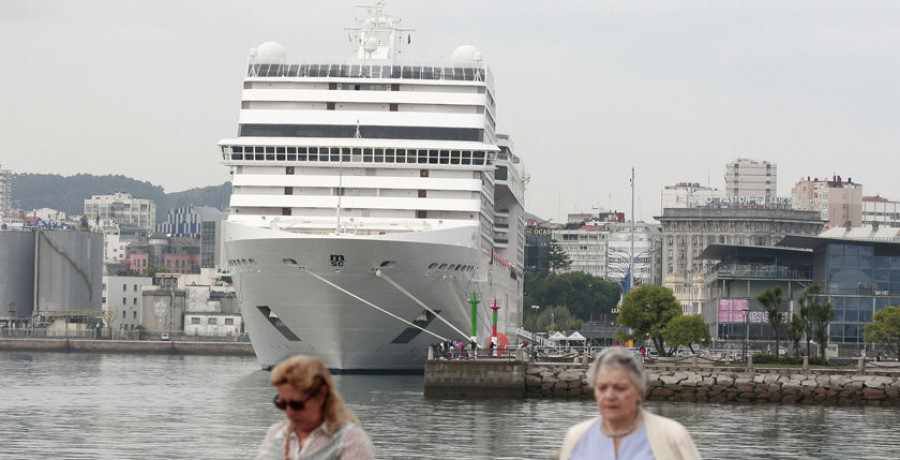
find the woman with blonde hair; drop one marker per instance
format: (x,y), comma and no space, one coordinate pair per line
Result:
(317,424)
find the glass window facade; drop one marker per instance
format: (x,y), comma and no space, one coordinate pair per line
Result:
(860,279)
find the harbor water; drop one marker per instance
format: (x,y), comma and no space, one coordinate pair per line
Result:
(86,406)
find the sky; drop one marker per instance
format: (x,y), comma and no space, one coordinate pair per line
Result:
(588,90)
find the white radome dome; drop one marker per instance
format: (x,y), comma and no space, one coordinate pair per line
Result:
(371,45)
(466,53)
(269,52)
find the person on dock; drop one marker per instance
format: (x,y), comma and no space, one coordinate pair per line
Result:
(624,430)
(317,424)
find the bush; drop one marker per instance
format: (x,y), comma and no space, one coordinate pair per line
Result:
(762,358)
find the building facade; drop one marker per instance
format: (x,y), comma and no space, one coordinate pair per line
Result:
(857,277)
(690,195)
(604,250)
(5,195)
(839,201)
(121,208)
(123,301)
(754,180)
(879,211)
(175,255)
(687,232)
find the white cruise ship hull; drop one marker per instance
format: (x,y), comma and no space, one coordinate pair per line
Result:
(322,295)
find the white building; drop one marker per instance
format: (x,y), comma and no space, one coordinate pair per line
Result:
(120,208)
(690,195)
(204,317)
(880,211)
(123,300)
(751,180)
(604,250)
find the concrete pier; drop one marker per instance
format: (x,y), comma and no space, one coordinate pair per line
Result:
(173,347)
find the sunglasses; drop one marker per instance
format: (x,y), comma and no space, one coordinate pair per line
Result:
(296,405)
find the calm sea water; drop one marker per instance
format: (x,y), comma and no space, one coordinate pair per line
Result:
(78,406)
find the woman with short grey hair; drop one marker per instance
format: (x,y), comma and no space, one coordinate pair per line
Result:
(624,430)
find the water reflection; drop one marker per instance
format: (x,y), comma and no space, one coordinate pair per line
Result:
(79,406)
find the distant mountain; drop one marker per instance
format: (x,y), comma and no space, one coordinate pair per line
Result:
(67,194)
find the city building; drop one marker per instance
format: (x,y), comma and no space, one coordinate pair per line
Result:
(538,235)
(175,255)
(751,182)
(123,301)
(879,211)
(211,314)
(120,208)
(604,250)
(687,232)
(690,195)
(858,277)
(5,195)
(839,201)
(186,222)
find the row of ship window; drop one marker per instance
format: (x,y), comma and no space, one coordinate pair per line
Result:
(451,267)
(242,262)
(413,72)
(357,155)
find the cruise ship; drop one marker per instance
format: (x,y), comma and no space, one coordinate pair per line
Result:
(372,202)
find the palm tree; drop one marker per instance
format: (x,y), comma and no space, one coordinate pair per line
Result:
(815,313)
(771,301)
(795,332)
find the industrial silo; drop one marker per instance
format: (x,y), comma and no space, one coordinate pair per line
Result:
(68,272)
(16,275)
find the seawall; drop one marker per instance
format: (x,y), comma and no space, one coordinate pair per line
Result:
(706,384)
(128,346)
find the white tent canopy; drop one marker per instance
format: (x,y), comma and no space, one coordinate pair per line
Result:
(576,337)
(557,336)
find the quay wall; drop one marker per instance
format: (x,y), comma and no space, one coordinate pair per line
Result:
(173,347)
(475,378)
(700,384)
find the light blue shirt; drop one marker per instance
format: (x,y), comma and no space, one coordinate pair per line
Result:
(593,445)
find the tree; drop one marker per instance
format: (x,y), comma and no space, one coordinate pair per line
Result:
(584,295)
(771,299)
(820,314)
(795,331)
(885,329)
(647,310)
(686,330)
(807,301)
(557,259)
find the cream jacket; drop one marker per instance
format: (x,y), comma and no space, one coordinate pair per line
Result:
(669,440)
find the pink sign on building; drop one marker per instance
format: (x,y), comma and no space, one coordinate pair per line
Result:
(733,310)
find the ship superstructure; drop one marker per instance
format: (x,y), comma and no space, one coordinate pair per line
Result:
(363,204)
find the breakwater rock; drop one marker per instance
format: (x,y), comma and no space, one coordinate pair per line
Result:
(515,378)
(789,386)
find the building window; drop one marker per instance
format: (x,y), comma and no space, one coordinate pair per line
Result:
(134,314)
(135,288)
(124,315)
(134,301)
(124,301)
(124,287)
(229,321)
(195,320)
(211,321)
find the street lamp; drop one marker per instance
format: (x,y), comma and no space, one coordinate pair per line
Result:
(534,331)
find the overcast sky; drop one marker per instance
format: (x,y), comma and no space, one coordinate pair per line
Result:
(586,89)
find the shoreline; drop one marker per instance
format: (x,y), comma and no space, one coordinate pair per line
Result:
(170,347)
